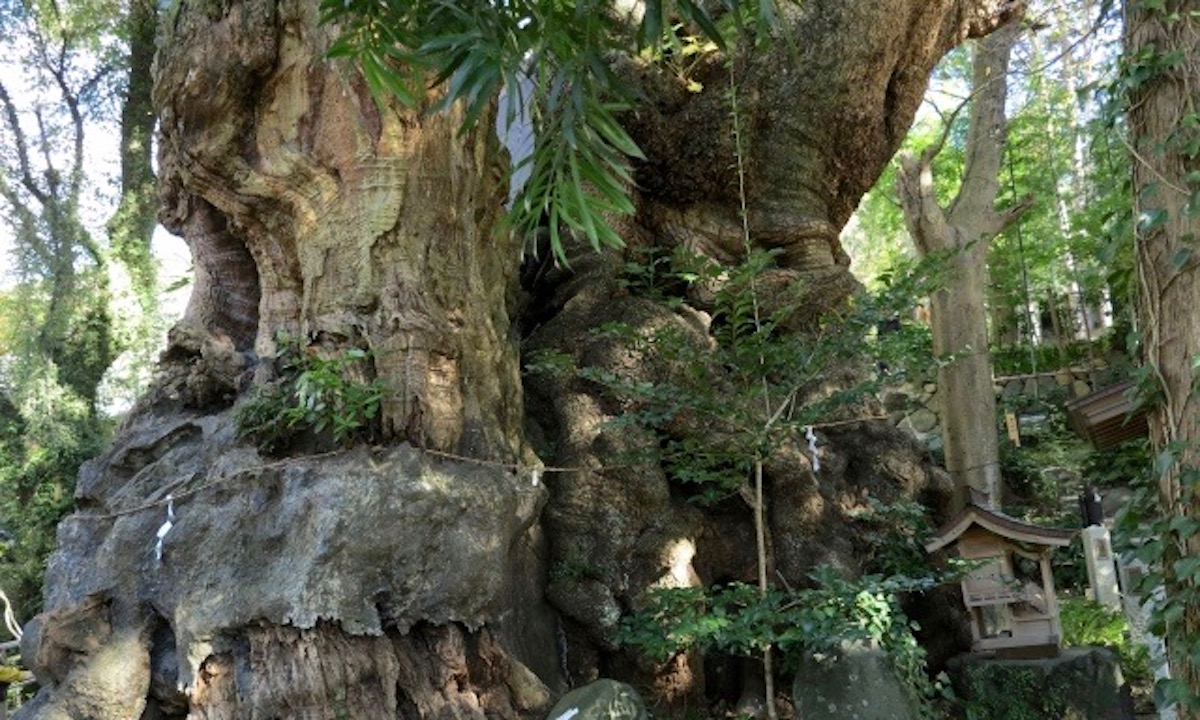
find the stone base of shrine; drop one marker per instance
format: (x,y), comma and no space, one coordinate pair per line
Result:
(1082,683)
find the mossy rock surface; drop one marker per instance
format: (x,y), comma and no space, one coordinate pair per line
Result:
(601,700)
(855,683)
(1081,684)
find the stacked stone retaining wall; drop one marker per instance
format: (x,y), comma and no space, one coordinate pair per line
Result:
(916,408)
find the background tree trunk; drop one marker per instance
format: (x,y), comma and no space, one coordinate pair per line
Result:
(132,226)
(1163,125)
(958,312)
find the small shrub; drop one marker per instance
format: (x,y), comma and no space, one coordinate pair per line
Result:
(314,395)
(739,619)
(894,535)
(1088,623)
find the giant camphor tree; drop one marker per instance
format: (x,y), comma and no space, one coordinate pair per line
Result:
(472,553)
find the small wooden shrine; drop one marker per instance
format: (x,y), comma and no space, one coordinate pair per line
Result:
(1108,417)
(1010,592)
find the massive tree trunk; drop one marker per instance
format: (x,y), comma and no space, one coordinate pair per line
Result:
(958,311)
(1163,126)
(407,579)
(823,110)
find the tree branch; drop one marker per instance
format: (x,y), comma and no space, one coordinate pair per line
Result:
(998,221)
(929,153)
(71,100)
(988,129)
(22,145)
(924,216)
(26,220)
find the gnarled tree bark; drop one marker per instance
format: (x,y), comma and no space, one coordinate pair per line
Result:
(312,211)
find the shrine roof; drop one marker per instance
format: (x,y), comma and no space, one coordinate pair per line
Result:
(1000,524)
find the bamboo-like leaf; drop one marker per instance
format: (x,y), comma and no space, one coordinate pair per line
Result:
(585,207)
(650,32)
(456,43)
(480,100)
(344,46)
(556,245)
(610,130)
(694,13)
(385,79)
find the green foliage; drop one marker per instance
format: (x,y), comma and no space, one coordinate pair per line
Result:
(1118,466)
(763,374)
(49,423)
(895,535)
(1088,623)
(1065,146)
(1012,692)
(1164,140)
(1023,360)
(561,51)
(1152,535)
(60,328)
(1050,450)
(738,619)
(46,433)
(314,395)
(763,381)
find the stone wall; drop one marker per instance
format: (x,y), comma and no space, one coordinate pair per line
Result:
(916,408)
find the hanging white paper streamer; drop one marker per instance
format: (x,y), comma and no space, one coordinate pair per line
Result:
(812,448)
(164,529)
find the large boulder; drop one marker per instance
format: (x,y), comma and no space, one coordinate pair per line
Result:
(856,682)
(603,699)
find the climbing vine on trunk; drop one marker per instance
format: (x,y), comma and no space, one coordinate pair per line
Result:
(1161,81)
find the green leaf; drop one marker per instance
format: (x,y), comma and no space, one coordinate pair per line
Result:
(610,130)
(449,67)
(1188,569)
(383,80)
(650,32)
(344,46)
(1151,219)
(582,203)
(694,13)
(1180,257)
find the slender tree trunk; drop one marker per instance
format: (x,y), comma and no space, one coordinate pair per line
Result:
(131,227)
(1163,119)
(958,311)
(1004,322)
(1056,320)
(764,585)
